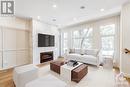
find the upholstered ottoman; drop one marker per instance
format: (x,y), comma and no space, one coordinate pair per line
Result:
(47,81)
(55,66)
(78,73)
(24,74)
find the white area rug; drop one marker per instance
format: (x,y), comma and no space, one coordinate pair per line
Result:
(96,77)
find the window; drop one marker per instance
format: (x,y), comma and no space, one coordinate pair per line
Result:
(65,42)
(107,38)
(82,38)
(76,39)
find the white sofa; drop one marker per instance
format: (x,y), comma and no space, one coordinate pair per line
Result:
(89,56)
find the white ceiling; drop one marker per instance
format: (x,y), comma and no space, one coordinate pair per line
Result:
(67,10)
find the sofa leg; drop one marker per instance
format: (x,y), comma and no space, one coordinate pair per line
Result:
(98,65)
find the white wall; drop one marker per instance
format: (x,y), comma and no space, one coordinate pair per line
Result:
(41,27)
(96,33)
(125,40)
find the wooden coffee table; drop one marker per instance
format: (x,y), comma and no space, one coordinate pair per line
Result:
(78,73)
(69,73)
(55,66)
(66,71)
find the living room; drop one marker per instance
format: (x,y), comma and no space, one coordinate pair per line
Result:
(60,43)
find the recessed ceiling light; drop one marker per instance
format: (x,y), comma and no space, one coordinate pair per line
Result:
(82,7)
(54,6)
(102,10)
(53,19)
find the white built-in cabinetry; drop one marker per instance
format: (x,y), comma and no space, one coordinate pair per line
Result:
(0,48)
(14,47)
(0,60)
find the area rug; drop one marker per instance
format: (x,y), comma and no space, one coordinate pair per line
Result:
(96,77)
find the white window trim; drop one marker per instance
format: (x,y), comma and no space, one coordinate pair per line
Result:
(110,35)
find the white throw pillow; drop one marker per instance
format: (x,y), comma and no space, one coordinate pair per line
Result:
(93,52)
(72,51)
(78,51)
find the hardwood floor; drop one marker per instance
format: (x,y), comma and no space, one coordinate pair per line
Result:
(7,81)
(117,71)
(6,78)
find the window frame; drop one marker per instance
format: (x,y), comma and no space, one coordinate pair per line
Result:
(81,37)
(65,39)
(108,35)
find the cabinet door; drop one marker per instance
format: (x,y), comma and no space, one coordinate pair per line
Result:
(9,59)
(0,48)
(0,60)
(22,57)
(22,39)
(9,39)
(0,39)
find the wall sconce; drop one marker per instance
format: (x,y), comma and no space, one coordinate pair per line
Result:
(127,51)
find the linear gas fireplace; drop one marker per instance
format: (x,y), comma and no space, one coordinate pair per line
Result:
(46,56)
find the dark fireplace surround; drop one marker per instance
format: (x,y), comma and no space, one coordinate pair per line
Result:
(46,56)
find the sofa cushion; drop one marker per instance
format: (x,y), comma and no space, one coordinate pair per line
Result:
(89,58)
(78,51)
(73,56)
(93,52)
(72,51)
